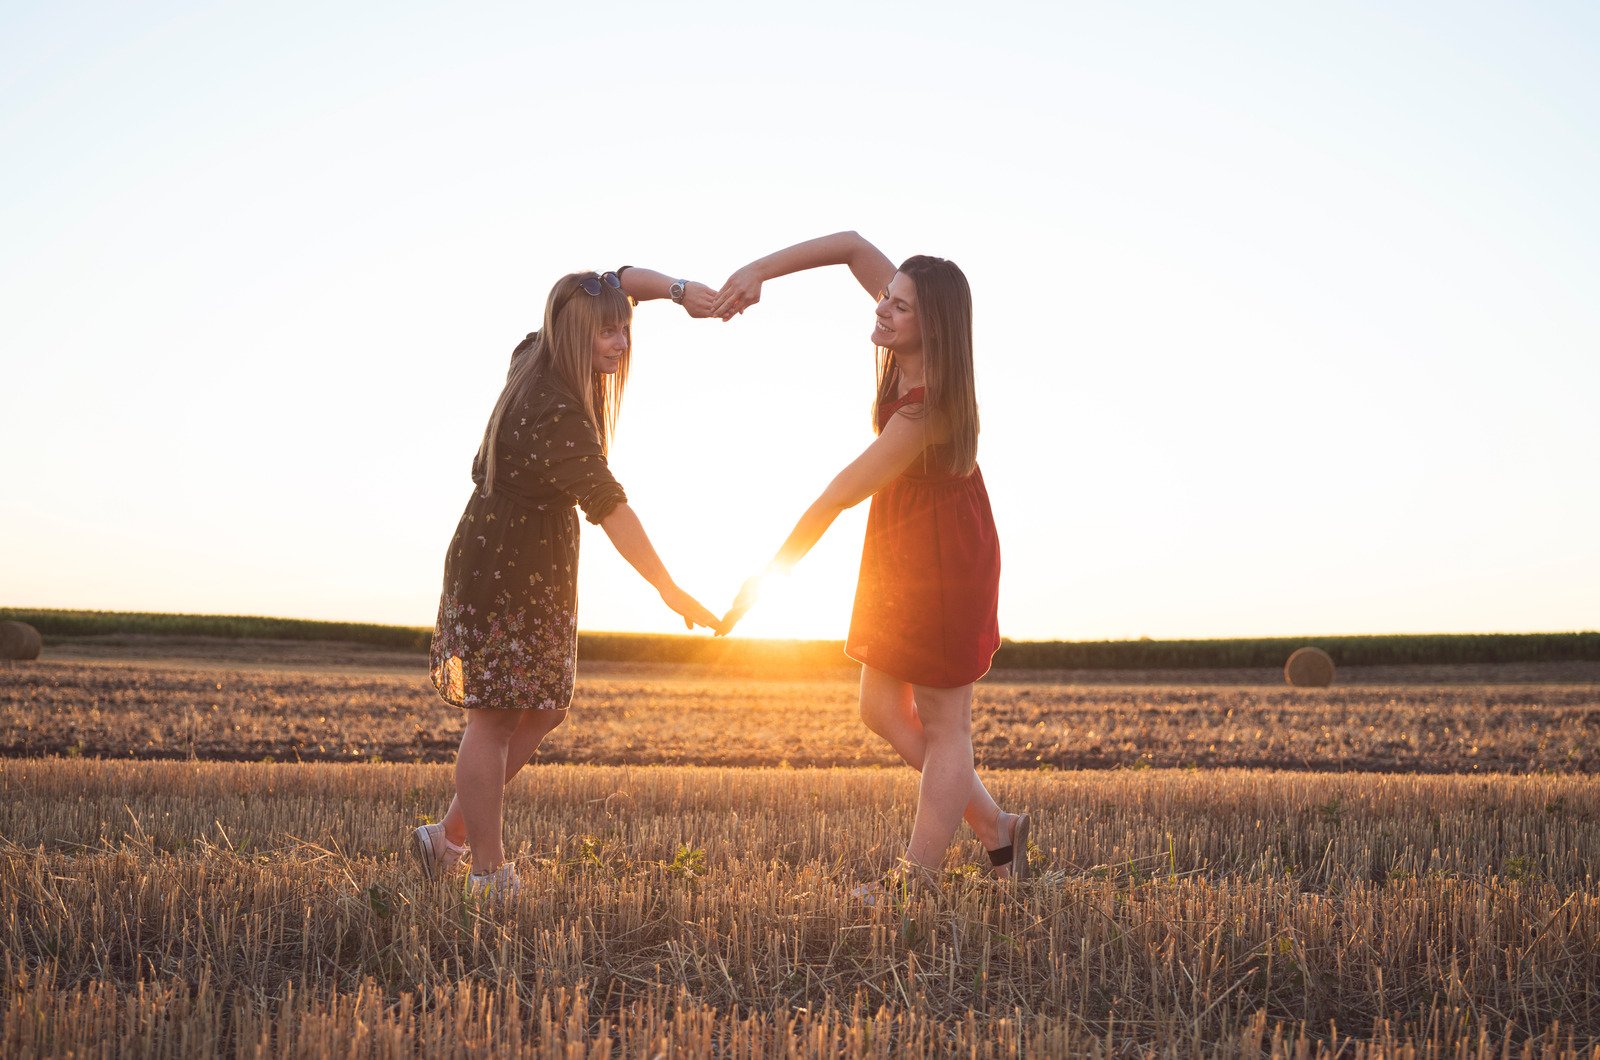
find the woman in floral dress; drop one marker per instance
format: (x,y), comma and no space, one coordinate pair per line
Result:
(505,643)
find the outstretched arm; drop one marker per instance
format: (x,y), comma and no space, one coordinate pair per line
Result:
(871,268)
(901,442)
(622,526)
(642,285)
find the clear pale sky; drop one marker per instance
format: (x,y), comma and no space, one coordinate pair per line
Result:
(1287,315)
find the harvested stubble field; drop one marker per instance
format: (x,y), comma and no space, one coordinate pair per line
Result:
(246,908)
(643,715)
(174,908)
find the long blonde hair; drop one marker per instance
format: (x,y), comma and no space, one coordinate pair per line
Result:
(944,316)
(562,351)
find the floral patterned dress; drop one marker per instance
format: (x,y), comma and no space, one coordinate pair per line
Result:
(507,632)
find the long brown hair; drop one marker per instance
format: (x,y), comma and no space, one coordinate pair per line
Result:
(562,351)
(944,316)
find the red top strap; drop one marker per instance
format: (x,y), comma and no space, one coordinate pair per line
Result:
(911,396)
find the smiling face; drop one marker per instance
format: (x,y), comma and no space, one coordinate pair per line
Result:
(610,344)
(897,328)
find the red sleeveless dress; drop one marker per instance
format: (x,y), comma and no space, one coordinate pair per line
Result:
(925,609)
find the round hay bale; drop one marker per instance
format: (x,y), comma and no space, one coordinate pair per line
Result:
(1309,668)
(18,640)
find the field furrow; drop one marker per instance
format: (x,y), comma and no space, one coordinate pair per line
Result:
(624,715)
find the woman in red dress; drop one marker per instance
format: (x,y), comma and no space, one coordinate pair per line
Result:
(924,626)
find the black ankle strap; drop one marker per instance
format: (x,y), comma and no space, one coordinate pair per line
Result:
(1002,857)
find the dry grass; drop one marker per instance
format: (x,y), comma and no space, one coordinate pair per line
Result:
(643,716)
(248,909)
(208,908)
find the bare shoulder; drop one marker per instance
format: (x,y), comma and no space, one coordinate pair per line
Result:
(918,416)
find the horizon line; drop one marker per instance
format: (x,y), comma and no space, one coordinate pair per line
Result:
(4,609)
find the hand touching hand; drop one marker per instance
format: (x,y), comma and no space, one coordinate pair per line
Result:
(693,612)
(741,291)
(698,299)
(749,592)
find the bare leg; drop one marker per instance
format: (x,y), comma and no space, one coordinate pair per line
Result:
(889,708)
(948,777)
(532,728)
(481,781)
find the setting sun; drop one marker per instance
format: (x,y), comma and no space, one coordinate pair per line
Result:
(811,602)
(791,606)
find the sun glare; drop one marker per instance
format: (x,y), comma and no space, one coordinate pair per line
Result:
(797,607)
(811,602)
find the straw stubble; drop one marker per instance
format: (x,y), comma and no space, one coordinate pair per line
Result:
(250,909)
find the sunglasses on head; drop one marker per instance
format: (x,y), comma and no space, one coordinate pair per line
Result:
(591,284)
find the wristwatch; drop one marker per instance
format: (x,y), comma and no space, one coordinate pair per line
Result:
(676,291)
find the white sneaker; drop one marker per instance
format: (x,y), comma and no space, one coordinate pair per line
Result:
(433,852)
(499,885)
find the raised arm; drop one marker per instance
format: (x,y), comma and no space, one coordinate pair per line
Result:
(901,442)
(871,268)
(643,285)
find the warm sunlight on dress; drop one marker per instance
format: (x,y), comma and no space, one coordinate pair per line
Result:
(925,608)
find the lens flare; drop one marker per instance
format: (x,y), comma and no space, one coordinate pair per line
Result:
(749,593)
